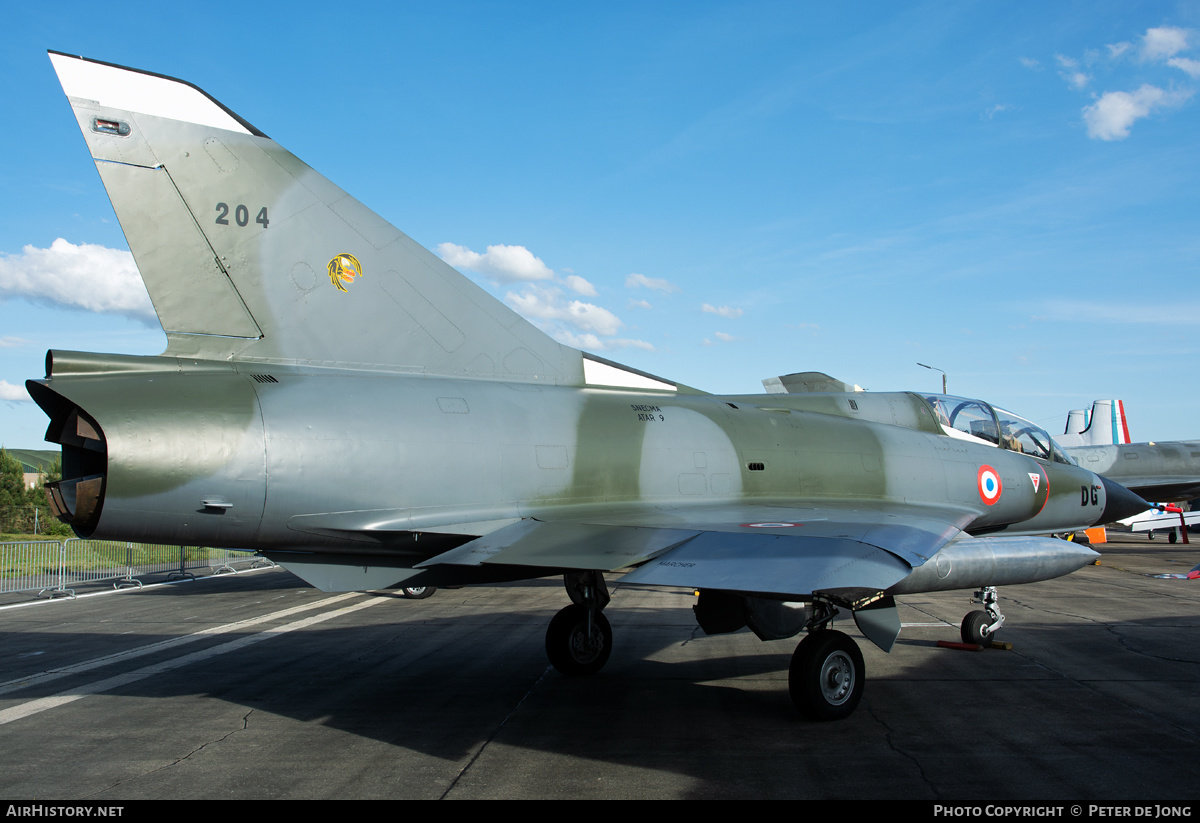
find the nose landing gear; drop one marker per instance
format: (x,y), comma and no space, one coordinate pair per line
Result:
(979,626)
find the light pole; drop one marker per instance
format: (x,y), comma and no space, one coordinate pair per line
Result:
(943,376)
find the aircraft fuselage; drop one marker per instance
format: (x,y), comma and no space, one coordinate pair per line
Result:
(284,459)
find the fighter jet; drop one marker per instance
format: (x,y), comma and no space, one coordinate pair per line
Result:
(1103,425)
(1167,472)
(339,399)
(1163,471)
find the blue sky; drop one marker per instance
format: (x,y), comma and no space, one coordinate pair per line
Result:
(715,193)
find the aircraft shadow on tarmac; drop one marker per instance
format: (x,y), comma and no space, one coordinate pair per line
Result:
(1077,707)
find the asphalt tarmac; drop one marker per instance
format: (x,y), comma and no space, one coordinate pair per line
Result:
(257,686)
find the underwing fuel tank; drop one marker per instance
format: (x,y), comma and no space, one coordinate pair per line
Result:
(970,563)
(145,439)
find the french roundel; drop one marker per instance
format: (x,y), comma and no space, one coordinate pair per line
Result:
(989,485)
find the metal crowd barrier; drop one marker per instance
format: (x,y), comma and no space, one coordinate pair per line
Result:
(51,567)
(30,565)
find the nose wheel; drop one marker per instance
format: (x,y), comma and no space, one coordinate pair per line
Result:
(979,626)
(974,628)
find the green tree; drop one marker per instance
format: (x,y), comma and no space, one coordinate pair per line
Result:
(26,511)
(14,506)
(47,523)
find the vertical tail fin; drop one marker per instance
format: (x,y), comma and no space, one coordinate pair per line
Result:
(1077,421)
(1105,425)
(249,254)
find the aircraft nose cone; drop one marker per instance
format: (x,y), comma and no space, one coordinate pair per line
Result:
(1119,502)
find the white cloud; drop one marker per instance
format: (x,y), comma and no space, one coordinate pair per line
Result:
(579,341)
(549,304)
(580,286)
(12,342)
(627,343)
(1075,78)
(542,299)
(506,264)
(1111,117)
(634,281)
(593,343)
(1115,50)
(1161,43)
(591,316)
(640,304)
(12,393)
(1187,64)
(90,277)
(723,311)
(573,322)
(1030,63)
(722,337)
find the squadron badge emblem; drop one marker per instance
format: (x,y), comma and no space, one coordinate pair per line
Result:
(343,268)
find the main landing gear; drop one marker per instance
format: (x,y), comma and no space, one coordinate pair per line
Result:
(579,638)
(825,680)
(827,675)
(978,626)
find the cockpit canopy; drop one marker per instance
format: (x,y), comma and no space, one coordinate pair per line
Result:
(981,422)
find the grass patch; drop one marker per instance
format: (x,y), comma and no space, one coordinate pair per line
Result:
(93,557)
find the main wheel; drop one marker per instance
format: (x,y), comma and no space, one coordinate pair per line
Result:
(572,648)
(827,676)
(972,628)
(419,592)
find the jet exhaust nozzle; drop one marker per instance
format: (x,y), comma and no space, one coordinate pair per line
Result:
(78,497)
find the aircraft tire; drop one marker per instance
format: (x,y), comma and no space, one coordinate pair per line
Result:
(570,649)
(419,592)
(972,628)
(1172,536)
(826,676)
